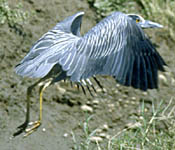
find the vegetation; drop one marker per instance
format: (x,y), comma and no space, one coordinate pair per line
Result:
(155,131)
(12,16)
(162,11)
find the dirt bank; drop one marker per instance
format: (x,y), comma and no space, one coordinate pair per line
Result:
(62,107)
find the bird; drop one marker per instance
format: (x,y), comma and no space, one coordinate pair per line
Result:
(116,46)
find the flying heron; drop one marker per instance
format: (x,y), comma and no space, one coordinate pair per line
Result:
(116,46)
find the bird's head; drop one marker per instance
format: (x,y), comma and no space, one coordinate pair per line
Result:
(144,23)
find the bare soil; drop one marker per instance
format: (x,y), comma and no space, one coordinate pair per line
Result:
(62,113)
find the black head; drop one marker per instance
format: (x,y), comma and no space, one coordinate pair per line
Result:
(144,23)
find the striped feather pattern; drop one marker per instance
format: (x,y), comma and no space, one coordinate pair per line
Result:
(116,46)
(46,53)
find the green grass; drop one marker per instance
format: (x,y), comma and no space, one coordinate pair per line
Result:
(152,130)
(12,16)
(86,143)
(162,11)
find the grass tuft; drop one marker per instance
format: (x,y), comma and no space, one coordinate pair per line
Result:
(155,130)
(12,16)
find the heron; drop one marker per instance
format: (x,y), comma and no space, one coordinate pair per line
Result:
(116,46)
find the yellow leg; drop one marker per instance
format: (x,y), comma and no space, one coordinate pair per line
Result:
(37,123)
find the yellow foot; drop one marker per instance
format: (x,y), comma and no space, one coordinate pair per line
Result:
(28,128)
(34,126)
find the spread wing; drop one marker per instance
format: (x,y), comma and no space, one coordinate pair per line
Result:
(40,60)
(117,47)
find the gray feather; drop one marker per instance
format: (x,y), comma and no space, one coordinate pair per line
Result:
(51,48)
(116,46)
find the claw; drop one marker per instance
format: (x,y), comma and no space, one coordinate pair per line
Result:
(82,88)
(90,83)
(23,128)
(78,86)
(85,84)
(34,125)
(98,82)
(71,84)
(89,91)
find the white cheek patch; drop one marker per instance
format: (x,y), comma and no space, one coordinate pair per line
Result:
(142,20)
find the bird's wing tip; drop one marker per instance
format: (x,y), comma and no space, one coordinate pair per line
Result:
(81,13)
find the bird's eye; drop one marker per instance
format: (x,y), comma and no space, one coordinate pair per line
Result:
(137,20)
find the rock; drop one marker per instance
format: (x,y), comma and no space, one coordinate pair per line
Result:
(172,81)
(87,108)
(111,105)
(116,91)
(145,93)
(103,135)
(99,90)
(65,135)
(163,78)
(95,102)
(133,125)
(105,127)
(133,98)
(120,100)
(124,96)
(98,130)
(117,85)
(96,139)
(61,90)
(43,129)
